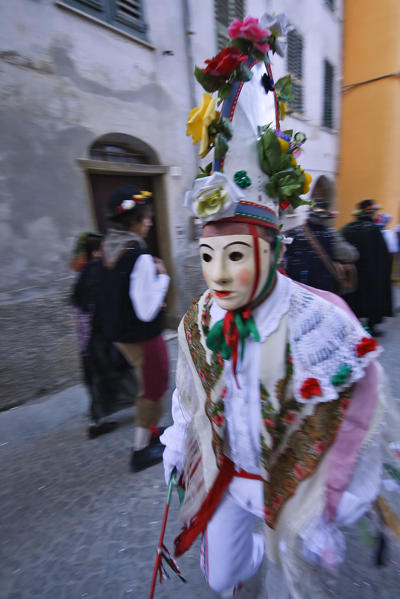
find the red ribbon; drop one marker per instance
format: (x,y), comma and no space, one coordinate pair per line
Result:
(229,327)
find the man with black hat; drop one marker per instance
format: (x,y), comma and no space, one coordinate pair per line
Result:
(372,299)
(315,247)
(134,289)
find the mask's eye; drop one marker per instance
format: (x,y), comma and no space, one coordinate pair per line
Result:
(235,256)
(206,257)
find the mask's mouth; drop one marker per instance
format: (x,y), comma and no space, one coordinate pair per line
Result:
(222,293)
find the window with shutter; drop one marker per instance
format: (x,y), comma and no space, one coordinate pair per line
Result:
(225,12)
(130,13)
(295,68)
(327,109)
(126,15)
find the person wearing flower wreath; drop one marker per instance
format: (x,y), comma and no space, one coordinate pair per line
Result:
(277,394)
(134,286)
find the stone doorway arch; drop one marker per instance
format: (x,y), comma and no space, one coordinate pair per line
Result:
(116,159)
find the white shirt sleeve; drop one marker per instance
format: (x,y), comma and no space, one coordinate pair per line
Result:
(174,438)
(147,289)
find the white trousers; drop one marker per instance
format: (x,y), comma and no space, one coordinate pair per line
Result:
(230,551)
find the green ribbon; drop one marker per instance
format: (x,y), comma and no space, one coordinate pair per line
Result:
(216,339)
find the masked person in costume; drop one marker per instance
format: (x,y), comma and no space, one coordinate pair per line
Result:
(276,405)
(134,286)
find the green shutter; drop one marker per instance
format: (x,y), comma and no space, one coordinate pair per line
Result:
(295,68)
(92,7)
(327,111)
(130,13)
(225,11)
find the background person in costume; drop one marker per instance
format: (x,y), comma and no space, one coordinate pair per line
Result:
(372,299)
(134,286)
(109,379)
(276,382)
(303,261)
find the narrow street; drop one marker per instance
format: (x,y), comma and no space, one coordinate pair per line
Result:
(76,523)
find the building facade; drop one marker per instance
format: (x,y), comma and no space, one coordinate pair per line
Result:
(370,148)
(95,93)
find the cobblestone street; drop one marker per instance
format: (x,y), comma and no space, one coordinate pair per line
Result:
(76,523)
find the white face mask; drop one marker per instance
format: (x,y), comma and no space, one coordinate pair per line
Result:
(229,268)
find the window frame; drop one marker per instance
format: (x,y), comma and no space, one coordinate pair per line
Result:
(106,12)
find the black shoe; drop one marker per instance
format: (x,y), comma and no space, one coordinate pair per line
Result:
(144,458)
(95,430)
(155,436)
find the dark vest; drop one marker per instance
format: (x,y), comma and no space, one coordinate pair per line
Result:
(119,321)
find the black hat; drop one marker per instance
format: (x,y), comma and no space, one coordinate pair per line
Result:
(366,207)
(125,199)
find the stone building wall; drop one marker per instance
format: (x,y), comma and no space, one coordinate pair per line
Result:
(66,82)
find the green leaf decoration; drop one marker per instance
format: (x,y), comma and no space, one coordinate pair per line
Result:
(225,91)
(283,88)
(221,145)
(258,55)
(225,127)
(270,152)
(208,82)
(204,172)
(245,46)
(243,73)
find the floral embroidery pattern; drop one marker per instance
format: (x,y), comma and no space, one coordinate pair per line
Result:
(209,372)
(216,409)
(303,452)
(366,345)
(281,385)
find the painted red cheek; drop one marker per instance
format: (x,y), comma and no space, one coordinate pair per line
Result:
(245,277)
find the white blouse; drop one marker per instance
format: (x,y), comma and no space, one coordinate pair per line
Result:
(147,288)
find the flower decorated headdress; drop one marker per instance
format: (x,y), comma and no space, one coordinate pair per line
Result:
(253,175)
(124,199)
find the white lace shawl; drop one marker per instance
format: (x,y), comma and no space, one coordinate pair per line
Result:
(323,338)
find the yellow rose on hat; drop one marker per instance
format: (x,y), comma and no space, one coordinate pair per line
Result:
(307,182)
(199,120)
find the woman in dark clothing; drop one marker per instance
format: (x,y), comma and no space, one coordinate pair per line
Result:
(373,298)
(108,378)
(303,262)
(134,287)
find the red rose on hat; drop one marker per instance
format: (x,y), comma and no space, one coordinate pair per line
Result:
(225,62)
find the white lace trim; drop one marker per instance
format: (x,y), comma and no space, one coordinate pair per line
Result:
(323,338)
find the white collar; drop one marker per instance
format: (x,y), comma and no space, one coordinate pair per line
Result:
(267,315)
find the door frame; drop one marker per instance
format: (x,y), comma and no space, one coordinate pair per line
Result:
(156,172)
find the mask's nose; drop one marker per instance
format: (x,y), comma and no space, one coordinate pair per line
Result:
(220,272)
